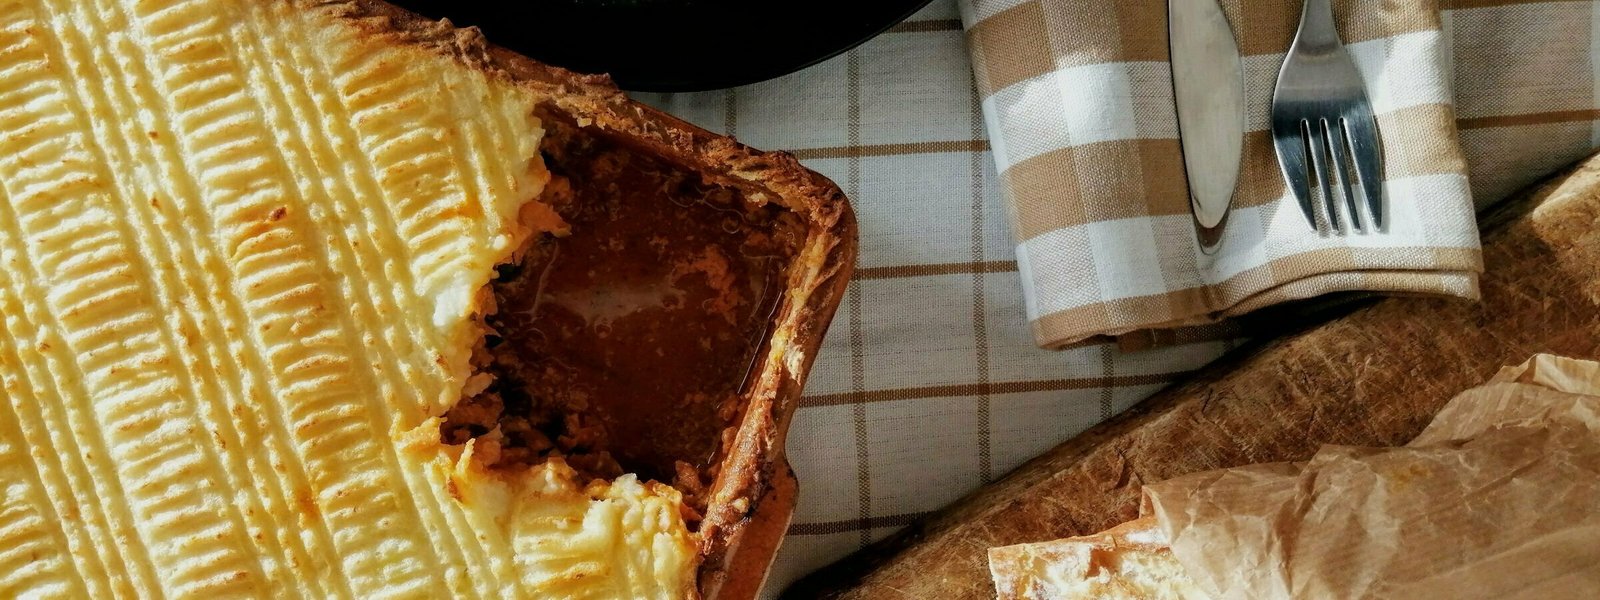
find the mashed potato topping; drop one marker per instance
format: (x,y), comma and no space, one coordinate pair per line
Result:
(244,245)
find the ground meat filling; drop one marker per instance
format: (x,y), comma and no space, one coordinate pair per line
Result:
(626,346)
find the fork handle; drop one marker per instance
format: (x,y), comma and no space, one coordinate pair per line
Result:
(1316,26)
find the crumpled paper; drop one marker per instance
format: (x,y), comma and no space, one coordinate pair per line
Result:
(1498,498)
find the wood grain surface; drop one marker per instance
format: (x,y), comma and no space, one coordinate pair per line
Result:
(1374,376)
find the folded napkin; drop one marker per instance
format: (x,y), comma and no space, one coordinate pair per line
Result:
(1078,98)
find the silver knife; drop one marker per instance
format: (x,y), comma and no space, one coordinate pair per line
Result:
(1208,85)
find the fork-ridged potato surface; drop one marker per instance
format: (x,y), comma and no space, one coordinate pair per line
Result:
(242,244)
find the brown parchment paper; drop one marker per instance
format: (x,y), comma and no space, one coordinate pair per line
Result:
(1498,498)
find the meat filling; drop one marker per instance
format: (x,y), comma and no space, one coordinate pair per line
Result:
(627,345)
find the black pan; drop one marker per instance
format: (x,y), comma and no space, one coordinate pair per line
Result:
(676,45)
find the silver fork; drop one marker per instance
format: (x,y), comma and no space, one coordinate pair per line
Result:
(1320,110)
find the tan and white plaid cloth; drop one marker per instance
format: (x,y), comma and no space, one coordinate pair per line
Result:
(1078,96)
(929,384)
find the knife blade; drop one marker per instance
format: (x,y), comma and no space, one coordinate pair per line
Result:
(1208,88)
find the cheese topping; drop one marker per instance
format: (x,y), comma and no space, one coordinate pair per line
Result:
(241,248)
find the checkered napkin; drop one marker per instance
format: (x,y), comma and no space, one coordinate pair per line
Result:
(1078,100)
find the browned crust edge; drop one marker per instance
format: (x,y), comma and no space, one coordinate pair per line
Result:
(735,555)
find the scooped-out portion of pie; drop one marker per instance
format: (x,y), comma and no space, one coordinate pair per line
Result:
(319,299)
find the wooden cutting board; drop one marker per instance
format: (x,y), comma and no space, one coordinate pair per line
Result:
(1374,376)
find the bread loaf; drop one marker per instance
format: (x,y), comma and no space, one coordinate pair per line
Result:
(1131,561)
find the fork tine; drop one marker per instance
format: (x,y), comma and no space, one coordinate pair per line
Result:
(1362,131)
(1336,149)
(1319,163)
(1291,149)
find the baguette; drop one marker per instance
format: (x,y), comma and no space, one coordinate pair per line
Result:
(1131,561)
